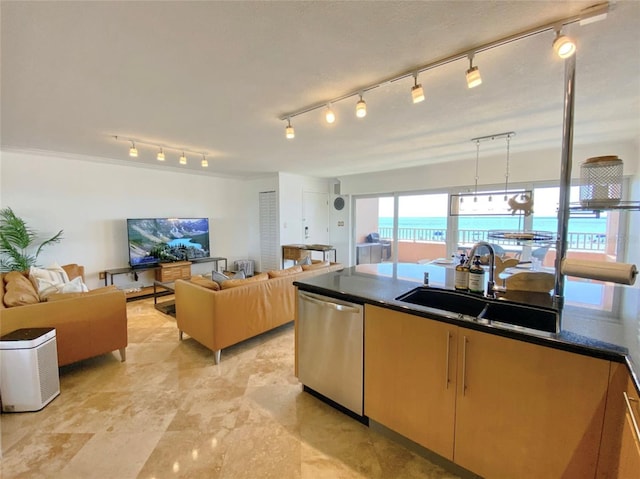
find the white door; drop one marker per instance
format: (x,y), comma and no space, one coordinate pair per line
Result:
(315,217)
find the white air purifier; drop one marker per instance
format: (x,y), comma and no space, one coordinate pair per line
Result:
(28,369)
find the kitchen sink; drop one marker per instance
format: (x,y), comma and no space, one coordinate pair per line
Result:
(447,300)
(485,309)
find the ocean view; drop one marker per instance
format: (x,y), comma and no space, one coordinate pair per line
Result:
(577,225)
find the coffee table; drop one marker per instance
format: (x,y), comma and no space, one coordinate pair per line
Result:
(161,288)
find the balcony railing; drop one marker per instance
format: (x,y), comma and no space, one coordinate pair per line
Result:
(575,240)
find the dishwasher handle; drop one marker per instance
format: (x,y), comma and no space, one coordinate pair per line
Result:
(336,306)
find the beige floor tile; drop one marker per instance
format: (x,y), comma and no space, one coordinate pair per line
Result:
(170,412)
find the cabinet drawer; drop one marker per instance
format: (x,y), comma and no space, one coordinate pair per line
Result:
(174,271)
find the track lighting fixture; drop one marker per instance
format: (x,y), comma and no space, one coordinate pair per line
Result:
(361,108)
(289,131)
(160,155)
(417,93)
(473,74)
(329,115)
(563,45)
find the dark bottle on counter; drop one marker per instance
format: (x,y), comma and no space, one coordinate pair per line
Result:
(461,279)
(476,276)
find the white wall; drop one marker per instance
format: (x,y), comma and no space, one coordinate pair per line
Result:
(91,200)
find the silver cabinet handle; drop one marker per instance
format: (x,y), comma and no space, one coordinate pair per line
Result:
(446,379)
(628,400)
(336,306)
(464,364)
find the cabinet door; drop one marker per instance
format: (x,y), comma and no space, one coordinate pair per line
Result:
(527,411)
(409,381)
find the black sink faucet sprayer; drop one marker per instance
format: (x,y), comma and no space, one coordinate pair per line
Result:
(492,266)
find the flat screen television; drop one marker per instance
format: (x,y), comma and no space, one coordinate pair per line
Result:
(159,240)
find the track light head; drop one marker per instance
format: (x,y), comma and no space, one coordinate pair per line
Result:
(329,115)
(183,159)
(473,74)
(417,93)
(563,45)
(133,151)
(160,156)
(289,131)
(361,108)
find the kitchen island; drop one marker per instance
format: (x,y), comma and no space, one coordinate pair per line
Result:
(496,399)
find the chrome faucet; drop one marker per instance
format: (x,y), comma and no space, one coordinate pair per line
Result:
(491,285)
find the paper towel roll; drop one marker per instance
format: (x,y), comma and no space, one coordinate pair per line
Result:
(623,273)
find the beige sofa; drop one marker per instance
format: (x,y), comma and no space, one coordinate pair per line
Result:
(87,324)
(219,319)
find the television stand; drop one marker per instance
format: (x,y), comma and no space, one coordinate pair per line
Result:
(108,274)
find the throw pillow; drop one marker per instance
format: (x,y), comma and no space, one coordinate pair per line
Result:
(48,280)
(219,277)
(205,282)
(278,273)
(306,260)
(18,290)
(233,283)
(311,267)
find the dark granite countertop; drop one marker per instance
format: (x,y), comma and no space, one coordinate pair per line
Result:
(609,330)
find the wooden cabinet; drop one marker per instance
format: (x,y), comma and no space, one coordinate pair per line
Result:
(496,406)
(620,448)
(168,272)
(527,411)
(410,383)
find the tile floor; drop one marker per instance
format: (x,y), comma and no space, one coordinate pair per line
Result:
(169,412)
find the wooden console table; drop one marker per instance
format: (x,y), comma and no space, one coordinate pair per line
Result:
(296,252)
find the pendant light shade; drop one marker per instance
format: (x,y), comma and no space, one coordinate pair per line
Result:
(183,159)
(204,162)
(133,151)
(160,156)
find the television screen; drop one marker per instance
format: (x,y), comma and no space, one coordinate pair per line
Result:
(156,240)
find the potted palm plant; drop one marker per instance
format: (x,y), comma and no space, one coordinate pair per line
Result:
(18,242)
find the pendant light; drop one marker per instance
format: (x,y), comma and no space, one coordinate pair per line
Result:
(160,156)
(183,159)
(417,93)
(361,108)
(475,197)
(133,151)
(204,162)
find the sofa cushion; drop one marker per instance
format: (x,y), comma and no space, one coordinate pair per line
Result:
(277,273)
(73,270)
(205,282)
(311,267)
(233,283)
(70,295)
(48,280)
(18,290)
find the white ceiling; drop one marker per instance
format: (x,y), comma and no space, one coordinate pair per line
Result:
(216,77)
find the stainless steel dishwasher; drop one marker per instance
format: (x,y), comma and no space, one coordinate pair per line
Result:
(330,349)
